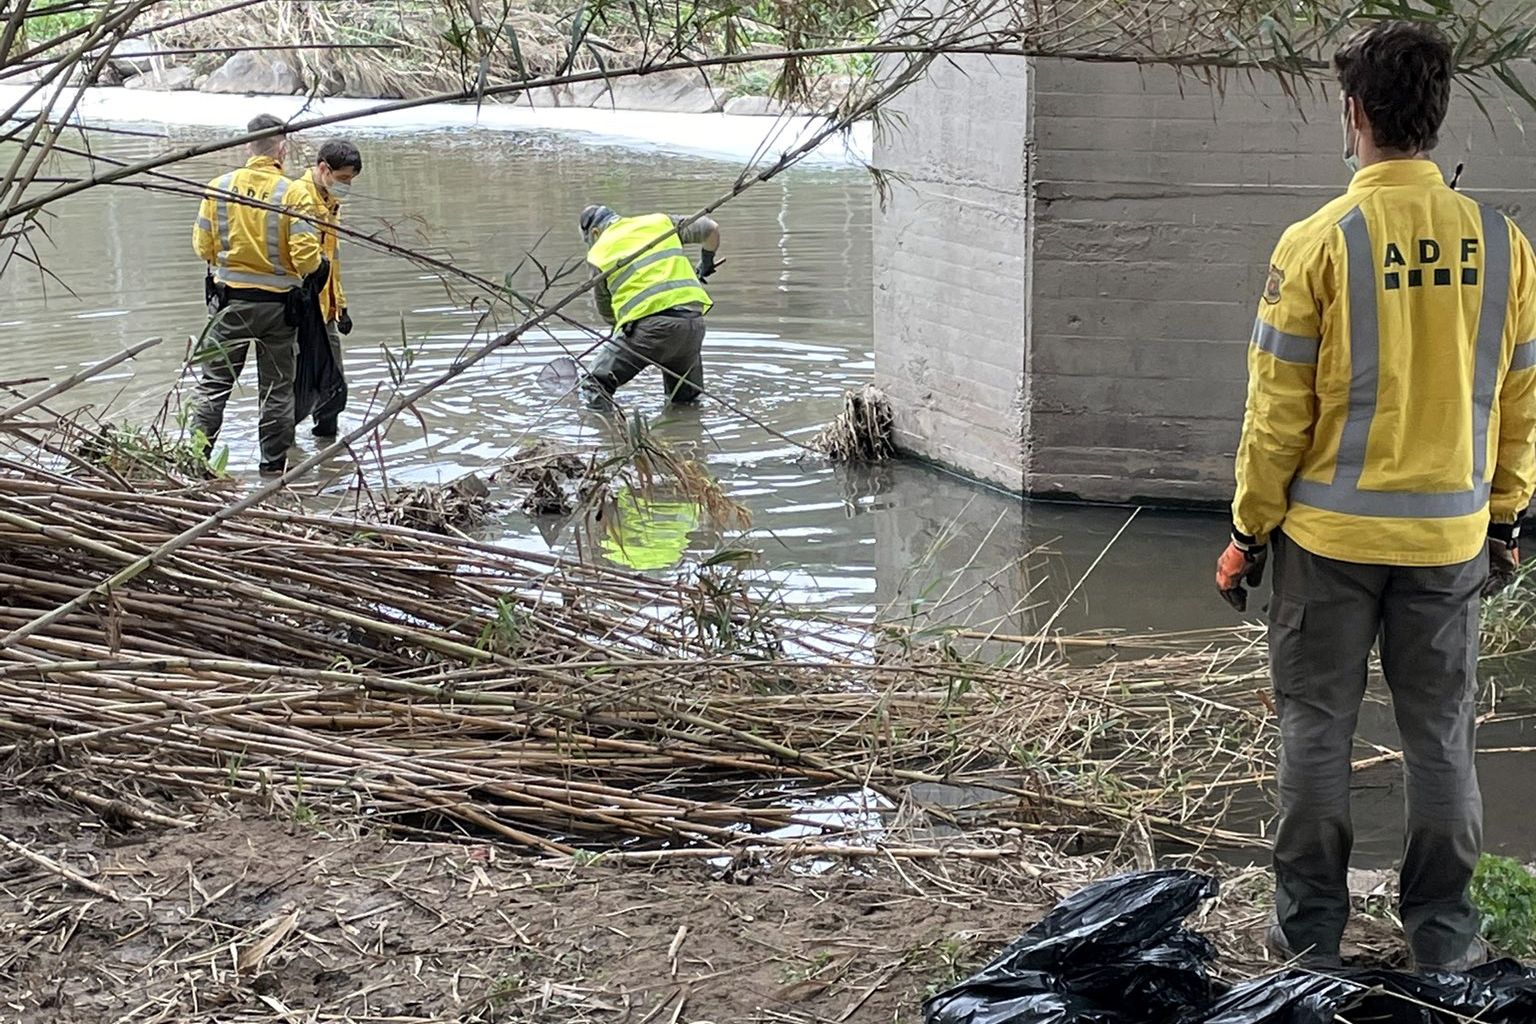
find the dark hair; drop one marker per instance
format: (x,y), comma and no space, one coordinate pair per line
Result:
(1400,74)
(270,145)
(261,122)
(339,153)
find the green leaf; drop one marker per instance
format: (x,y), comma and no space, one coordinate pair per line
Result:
(517,50)
(729,556)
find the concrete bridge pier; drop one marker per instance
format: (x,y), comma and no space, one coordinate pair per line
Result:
(1068,261)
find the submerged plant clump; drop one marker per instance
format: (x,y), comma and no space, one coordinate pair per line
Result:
(461,505)
(863,432)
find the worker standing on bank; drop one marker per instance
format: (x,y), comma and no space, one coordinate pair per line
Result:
(653,297)
(1387,453)
(259,254)
(321,190)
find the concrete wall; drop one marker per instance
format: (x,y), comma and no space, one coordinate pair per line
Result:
(1155,205)
(951,251)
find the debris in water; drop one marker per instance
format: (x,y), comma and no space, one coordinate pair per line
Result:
(863,431)
(437,508)
(552,475)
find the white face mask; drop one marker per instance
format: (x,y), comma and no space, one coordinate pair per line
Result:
(1351,158)
(339,189)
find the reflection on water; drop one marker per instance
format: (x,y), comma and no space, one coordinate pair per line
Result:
(790,331)
(646,533)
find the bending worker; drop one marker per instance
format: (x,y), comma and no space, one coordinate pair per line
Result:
(652,296)
(259,253)
(1386,457)
(321,190)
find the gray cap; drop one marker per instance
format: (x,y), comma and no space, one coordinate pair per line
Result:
(594,217)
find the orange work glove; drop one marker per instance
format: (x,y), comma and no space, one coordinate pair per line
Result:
(1242,562)
(1503,556)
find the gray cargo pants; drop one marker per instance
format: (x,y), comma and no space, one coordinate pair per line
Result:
(673,340)
(228,340)
(1324,619)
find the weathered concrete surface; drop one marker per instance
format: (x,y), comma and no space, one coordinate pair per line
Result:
(1129,294)
(951,248)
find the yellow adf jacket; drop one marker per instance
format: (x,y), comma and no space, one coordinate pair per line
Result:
(326,210)
(251,246)
(1392,376)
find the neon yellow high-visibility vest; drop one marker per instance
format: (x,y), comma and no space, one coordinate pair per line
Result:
(659,277)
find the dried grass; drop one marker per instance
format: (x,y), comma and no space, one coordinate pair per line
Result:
(450,508)
(863,432)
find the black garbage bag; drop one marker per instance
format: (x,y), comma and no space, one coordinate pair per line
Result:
(1502,992)
(317,376)
(1115,952)
(1290,997)
(1513,988)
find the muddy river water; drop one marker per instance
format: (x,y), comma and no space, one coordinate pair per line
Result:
(790,332)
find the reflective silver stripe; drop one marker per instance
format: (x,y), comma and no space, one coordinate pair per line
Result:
(204,224)
(1364,351)
(653,290)
(274,228)
(228,276)
(1490,334)
(1524,357)
(1289,348)
(301,227)
(624,273)
(1391,504)
(1344,493)
(221,208)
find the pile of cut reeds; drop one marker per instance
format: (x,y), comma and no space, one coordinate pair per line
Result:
(432,683)
(425,680)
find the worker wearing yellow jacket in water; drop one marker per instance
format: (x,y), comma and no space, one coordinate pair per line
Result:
(1387,453)
(652,296)
(322,189)
(259,254)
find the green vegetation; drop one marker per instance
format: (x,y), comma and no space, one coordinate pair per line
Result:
(139,453)
(1505,891)
(1509,620)
(946,962)
(505,633)
(42,27)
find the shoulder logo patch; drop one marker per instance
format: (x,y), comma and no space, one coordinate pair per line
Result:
(1273,285)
